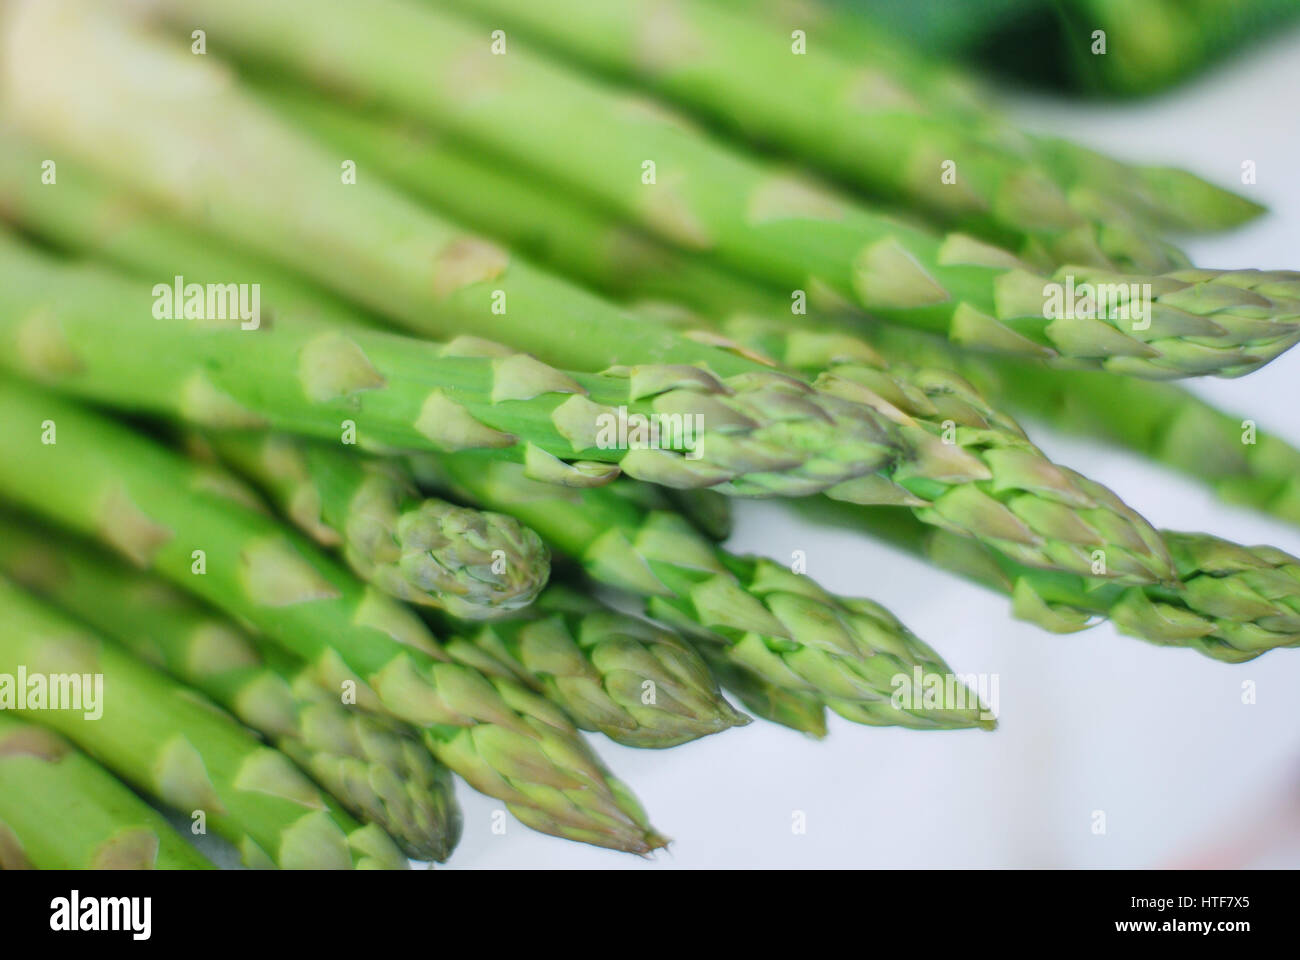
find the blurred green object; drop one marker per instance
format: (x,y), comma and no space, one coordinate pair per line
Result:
(60,810)
(1149,45)
(944,26)
(1152,44)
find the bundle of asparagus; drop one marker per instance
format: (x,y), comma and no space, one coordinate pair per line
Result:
(368,560)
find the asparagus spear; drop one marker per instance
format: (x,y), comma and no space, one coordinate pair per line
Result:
(474,564)
(633,681)
(378,772)
(1162,421)
(855,122)
(788,233)
(1062,532)
(166,513)
(777,624)
(759,435)
(59,810)
(1231,602)
(639,685)
(1159,197)
(152,732)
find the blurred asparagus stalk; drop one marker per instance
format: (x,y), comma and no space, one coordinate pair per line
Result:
(1098,186)
(782,230)
(152,732)
(378,771)
(858,123)
(60,810)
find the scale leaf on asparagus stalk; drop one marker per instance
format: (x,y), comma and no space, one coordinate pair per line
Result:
(178,518)
(696,193)
(60,810)
(375,769)
(182,750)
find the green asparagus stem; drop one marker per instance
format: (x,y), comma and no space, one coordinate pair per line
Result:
(1232,602)
(554,228)
(592,662)
(1096,185)
(153,733)
(475,565)
(783,231)
(758,435)
(855,122)
(84,213)
(1058,526)
(778,624)
(635,682)
(59,810)
(378,772)
(1162,421)
(178,518)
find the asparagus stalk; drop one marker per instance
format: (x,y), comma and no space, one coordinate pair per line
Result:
(153,733)
(378,772)
(856,123)
(171,515)
(1162,421)
(1158,197)
(1057,526)
(1231,603)
(640,685)
(475,565)
(59,810)
(633,681)
(760,435)
(785,232)
(773,623)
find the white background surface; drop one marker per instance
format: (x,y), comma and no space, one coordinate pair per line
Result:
(1158,739)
